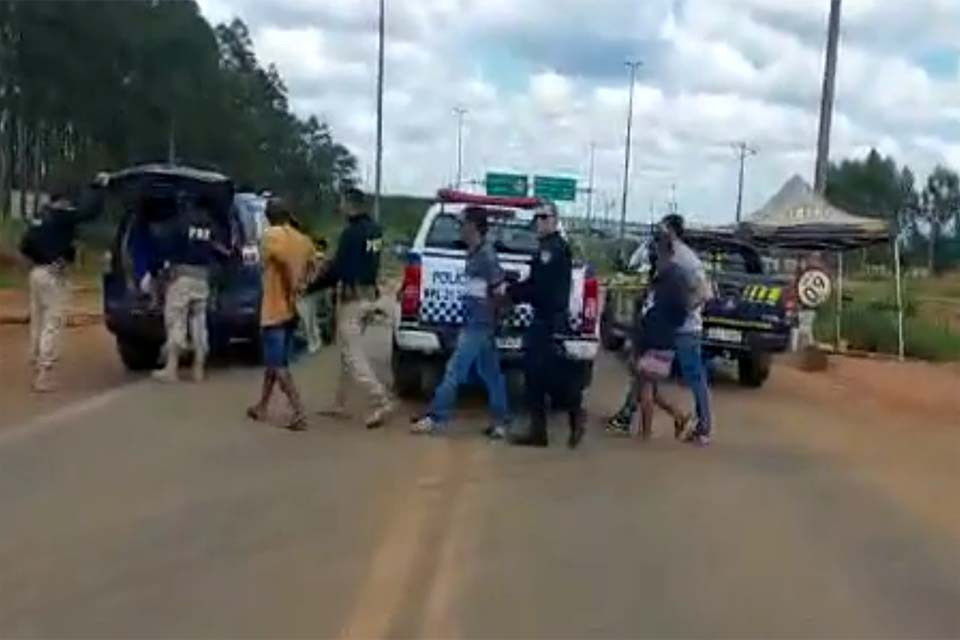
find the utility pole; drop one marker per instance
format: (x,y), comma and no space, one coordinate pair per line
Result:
(743,150)
(593,149)
(632,65)
(826,98)
(459,112)
(379,163)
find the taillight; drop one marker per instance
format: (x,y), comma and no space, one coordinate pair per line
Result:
(790,300)
(591,304)
(410,290)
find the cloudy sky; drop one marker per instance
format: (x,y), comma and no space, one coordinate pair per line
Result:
(542,79)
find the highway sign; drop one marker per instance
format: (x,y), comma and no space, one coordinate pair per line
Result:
(507,184)
(553,188)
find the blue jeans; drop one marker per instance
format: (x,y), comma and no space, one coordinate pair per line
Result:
(475,348)
(695,376)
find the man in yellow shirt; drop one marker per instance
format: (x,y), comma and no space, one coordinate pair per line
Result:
(287,266)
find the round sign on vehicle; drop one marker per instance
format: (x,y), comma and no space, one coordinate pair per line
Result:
(813,288)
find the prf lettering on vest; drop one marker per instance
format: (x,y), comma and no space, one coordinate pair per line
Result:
(199,233)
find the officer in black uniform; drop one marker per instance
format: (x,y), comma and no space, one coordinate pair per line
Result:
(547,289)
(49,245)
(355,268)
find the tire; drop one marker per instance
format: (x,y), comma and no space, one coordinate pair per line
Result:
(407,374)
(138,355)
(754,369)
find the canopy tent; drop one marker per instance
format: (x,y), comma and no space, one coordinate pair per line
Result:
(799,218)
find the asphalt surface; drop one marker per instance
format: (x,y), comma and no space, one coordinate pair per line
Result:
(155,511)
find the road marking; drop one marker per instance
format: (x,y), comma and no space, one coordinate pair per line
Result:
(44,423)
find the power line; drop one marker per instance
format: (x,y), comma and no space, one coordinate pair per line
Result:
(632,65)
(743,150)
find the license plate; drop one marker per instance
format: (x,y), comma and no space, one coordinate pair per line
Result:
(510,343)
(725,335)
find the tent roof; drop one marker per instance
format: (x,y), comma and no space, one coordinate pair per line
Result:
(797,217)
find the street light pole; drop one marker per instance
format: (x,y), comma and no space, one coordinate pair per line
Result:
(633,65)
(379,162)
(742,151)
(826,99)
(593,150)
(459,112)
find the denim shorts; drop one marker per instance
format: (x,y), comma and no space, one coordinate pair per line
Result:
(277,343)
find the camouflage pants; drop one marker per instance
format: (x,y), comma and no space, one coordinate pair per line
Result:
(352,318)
(185,309)
(48,295)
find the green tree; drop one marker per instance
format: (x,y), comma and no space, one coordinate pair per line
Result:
(939,204)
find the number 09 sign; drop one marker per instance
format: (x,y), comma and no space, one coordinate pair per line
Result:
(813,288)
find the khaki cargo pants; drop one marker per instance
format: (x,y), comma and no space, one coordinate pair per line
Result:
(353,314)
(185,311)
(48,297)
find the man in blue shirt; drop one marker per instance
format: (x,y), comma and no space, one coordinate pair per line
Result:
(476,346)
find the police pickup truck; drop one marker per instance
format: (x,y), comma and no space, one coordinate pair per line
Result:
(428,313)
(749,318)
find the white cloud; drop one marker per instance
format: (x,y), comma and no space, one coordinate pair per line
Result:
(542,79)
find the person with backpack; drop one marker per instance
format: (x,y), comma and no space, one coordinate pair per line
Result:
(49,244)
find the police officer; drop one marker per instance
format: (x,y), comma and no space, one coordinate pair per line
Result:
(354,270)
(547,289)
(49,246)
(194,248)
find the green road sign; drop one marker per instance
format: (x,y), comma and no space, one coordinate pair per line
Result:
(553,188)
(506,184)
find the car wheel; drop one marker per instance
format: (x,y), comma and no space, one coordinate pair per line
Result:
(407,374)
(138,355)
(754,369)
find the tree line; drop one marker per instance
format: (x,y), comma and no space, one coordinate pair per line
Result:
(927,215)
(100,84)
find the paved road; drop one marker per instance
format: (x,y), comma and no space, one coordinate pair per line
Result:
(157,511)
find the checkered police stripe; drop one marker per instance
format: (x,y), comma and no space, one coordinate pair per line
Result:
(450,312)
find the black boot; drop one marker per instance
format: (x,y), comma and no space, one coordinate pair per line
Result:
(578,422)
(537,435)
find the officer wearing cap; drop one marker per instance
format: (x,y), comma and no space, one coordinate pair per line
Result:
(547,289)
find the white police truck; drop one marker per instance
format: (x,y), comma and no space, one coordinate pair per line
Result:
(429,312)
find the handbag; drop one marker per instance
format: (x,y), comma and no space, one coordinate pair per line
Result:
(655,363)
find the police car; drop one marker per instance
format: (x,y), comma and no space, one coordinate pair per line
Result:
(429,311)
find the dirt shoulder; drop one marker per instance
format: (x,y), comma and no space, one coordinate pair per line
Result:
(89,365)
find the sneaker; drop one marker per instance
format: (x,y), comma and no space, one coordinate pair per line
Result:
(618,425)
(165,376)
(697,439)
(423,426)
(380,415)
(496,432)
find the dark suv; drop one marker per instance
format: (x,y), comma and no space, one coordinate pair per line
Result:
(153,197)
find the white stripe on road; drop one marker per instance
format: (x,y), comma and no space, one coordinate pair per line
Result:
(63,415)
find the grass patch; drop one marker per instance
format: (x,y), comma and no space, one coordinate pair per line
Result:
(866,328)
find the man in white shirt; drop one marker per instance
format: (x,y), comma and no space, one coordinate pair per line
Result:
(688,337)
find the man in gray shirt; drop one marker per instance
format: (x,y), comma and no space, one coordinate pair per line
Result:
(688,338)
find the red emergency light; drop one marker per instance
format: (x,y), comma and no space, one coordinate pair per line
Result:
(452,196)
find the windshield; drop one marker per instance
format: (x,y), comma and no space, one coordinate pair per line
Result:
(511,235)
(251,210)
